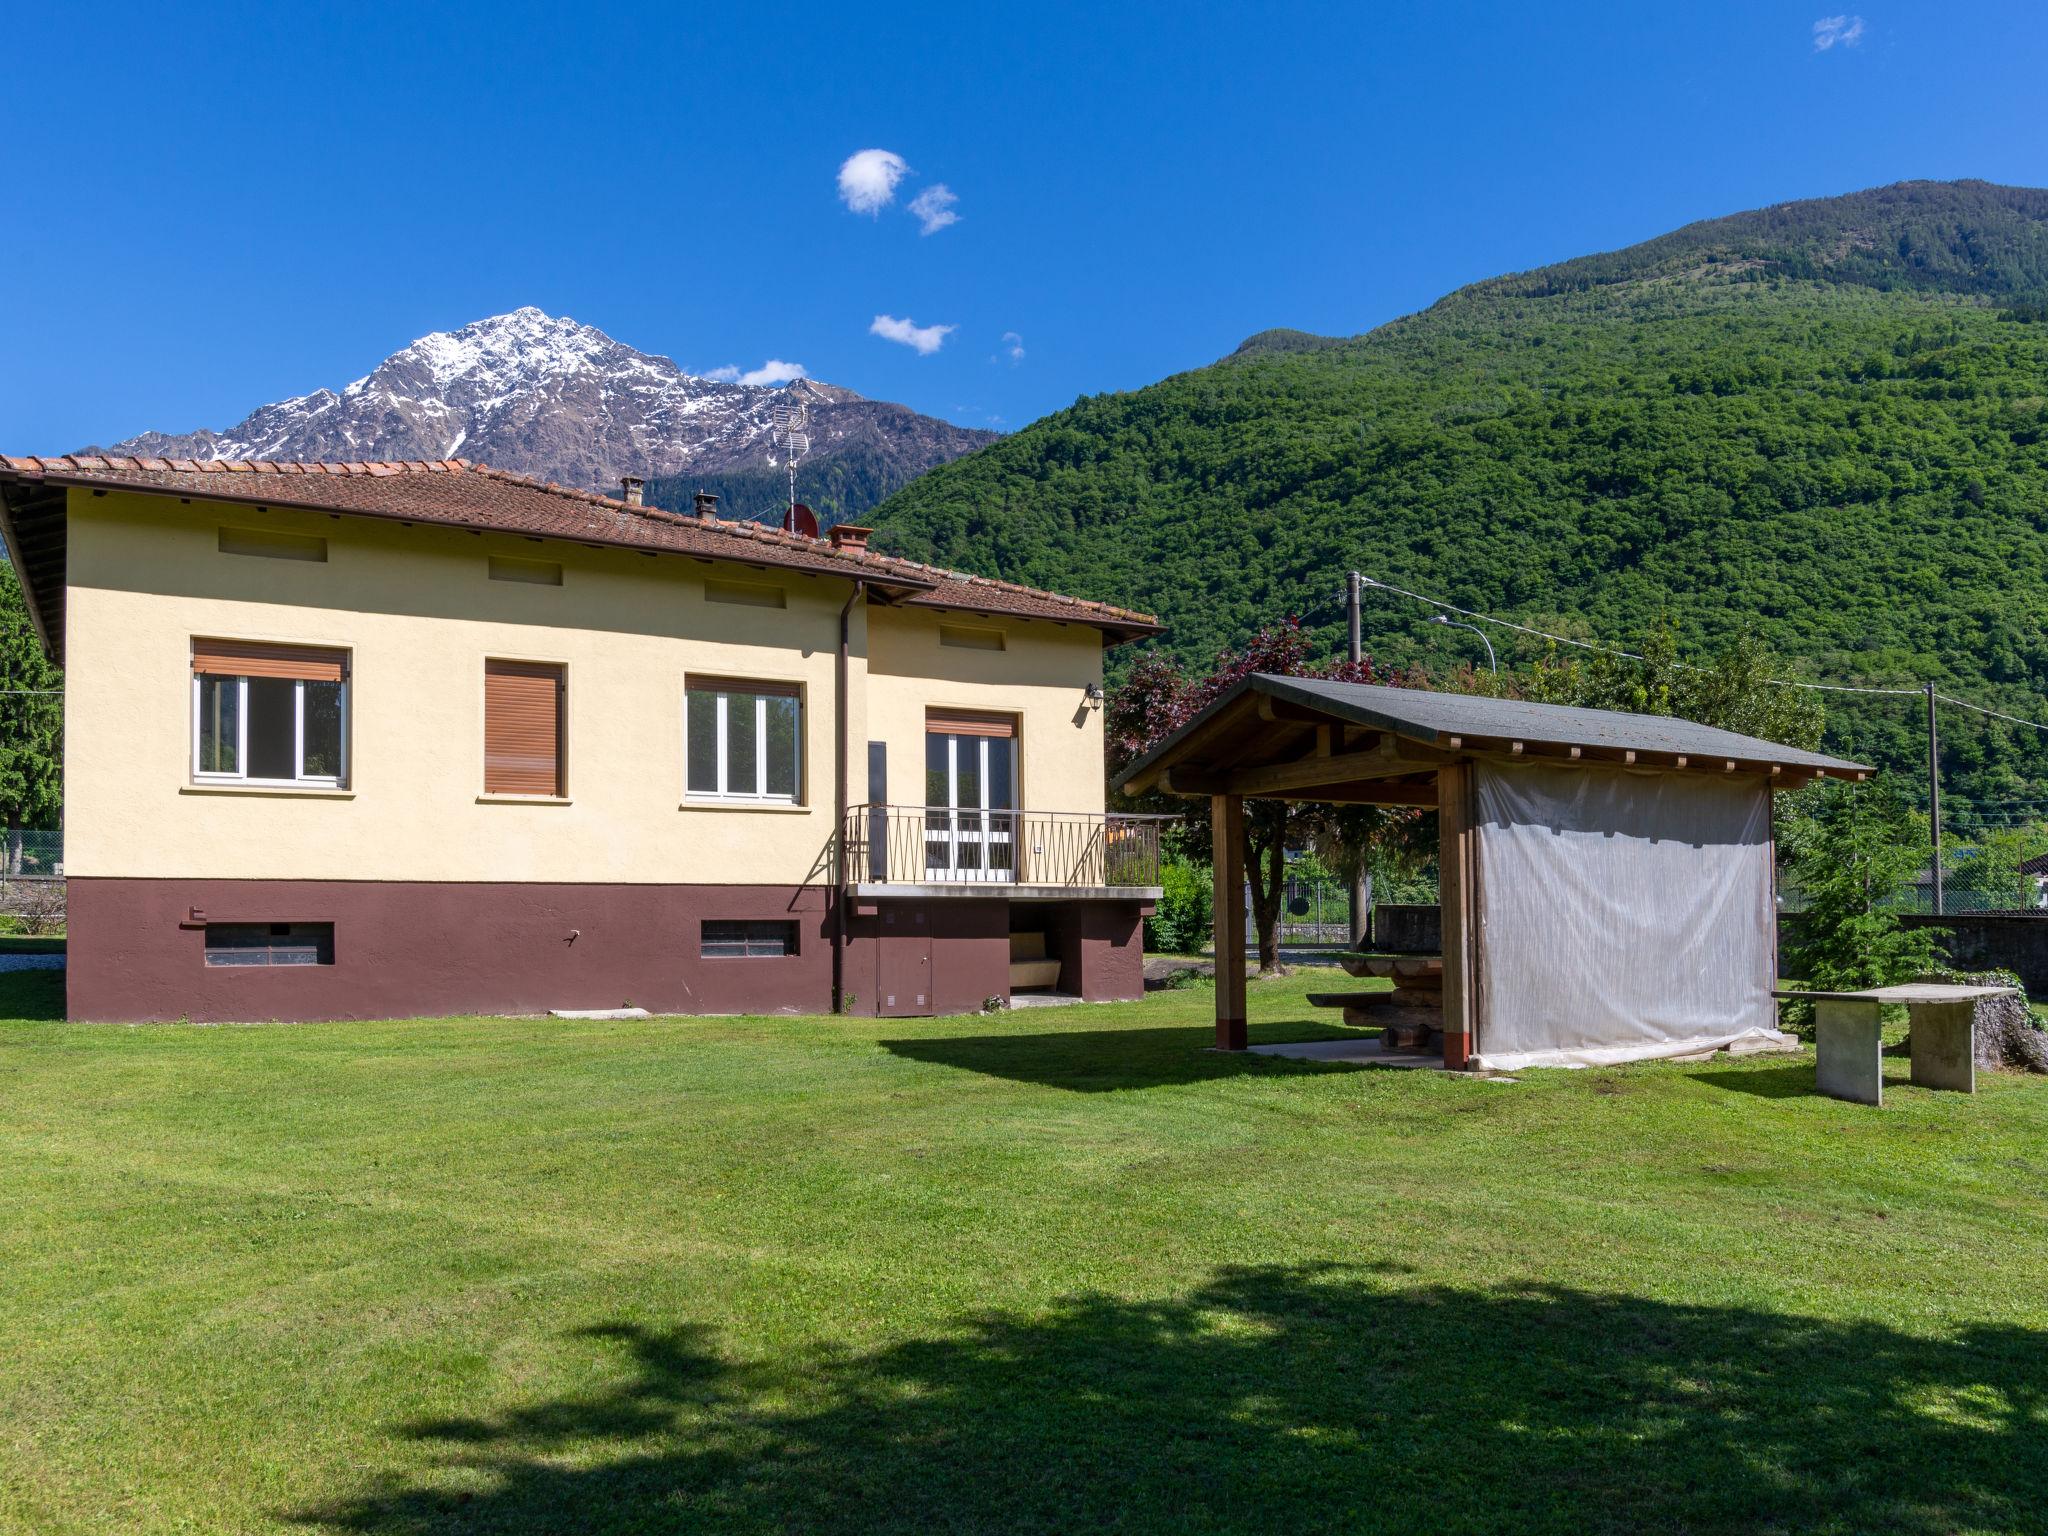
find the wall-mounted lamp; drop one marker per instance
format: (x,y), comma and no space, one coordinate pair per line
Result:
(1092,697)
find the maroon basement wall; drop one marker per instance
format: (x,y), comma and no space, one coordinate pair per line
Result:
(422,948)
(955,950)
(413,948)
(1102,955)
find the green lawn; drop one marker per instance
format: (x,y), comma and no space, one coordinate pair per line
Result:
(1049,1270)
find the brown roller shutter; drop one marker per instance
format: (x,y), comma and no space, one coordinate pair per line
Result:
(523,728)
(697,683)
(968,722)
(250,658)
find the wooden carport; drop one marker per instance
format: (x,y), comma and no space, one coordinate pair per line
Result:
(1285,738)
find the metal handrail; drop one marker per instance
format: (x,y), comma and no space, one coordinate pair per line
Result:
(921,844)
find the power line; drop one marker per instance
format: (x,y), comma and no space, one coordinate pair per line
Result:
(1996,714)
(1470,613)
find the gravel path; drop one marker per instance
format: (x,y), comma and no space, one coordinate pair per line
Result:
(31,962)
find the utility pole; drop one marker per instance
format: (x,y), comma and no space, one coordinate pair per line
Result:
(1934,794)
(1361,884)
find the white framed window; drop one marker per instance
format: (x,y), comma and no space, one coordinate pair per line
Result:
(264,714)
(742,741)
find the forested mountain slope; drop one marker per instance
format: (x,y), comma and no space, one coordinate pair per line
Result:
(1826,421)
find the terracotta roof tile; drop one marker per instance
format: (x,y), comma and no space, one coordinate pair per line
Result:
(462,494)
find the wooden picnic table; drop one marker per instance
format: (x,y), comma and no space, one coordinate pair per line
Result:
(1849,1044)
(1410,1016)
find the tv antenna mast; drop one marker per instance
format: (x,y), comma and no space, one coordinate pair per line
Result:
(791,424)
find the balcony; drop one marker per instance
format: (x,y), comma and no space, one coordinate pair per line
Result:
(930,851)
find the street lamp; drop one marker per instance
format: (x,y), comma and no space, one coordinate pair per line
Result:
(1446,619)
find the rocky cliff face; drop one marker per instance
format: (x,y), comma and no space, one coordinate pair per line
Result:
(545,396)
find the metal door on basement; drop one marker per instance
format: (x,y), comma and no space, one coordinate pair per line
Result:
(903,966)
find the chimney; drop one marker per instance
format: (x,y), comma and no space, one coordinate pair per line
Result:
(706,505)
(850,537)
(633,486)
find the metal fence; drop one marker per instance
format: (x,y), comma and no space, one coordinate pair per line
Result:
(1963,890)
(27,855)
(894,844)
(1313,912)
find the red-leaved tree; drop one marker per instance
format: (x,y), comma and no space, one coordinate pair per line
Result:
(1159,697)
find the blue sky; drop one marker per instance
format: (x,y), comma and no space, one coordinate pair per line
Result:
(216,206)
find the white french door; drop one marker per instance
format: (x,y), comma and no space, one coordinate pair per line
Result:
(970,820)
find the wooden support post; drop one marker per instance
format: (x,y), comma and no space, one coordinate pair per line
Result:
(1455,873)
(1226,823)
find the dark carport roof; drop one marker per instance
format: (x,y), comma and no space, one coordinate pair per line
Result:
(1474,723)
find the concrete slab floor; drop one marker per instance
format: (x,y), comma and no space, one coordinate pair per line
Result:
(1369,1053)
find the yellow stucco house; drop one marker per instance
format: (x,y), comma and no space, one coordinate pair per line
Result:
(361,740)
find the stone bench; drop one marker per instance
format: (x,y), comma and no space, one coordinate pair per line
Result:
(1848,1037)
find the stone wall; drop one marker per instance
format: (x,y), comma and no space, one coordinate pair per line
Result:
(1977,941)
(1400,929)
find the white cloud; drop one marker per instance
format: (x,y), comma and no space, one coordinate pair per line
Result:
(1013,347)
(934,208)
(1830,30)
(867,181)
(924,340)
(774,371)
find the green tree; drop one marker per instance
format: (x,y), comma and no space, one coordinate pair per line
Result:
(1159,696)
(1736,688)
(1850,851)
(31,718)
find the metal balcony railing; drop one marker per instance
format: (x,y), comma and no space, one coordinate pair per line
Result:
(916,844)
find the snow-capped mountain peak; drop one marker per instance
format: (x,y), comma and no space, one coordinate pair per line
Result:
(504,350)
(544,395)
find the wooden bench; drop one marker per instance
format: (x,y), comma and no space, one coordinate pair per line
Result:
(1848,1040)
(1348,999)
(1028,964)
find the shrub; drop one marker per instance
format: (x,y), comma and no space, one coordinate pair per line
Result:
(1182,922)
(41,905)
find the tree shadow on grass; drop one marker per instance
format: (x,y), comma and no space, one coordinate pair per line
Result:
(1107,1060)
(1792,1081)
(35,996)
(1275,1399)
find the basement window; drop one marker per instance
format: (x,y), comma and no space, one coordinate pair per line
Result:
(245,944)
(727,940)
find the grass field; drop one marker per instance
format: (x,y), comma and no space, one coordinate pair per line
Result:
(1058,1269)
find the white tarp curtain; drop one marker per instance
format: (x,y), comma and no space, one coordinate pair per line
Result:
(1622,914)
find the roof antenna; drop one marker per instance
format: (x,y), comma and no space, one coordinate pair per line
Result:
(790,424)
